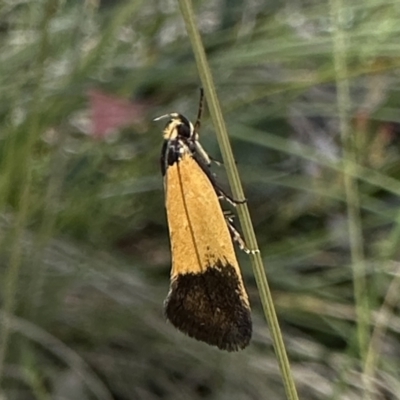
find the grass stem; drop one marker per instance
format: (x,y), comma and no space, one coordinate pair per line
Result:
(349,161)
(234,180)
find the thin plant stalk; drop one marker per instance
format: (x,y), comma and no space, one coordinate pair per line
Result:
(234,180)
(349,162)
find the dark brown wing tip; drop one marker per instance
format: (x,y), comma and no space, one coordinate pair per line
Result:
(211,307)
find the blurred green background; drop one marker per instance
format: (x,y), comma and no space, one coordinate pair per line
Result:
(84,248)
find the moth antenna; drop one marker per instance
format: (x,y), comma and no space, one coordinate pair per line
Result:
(200,111)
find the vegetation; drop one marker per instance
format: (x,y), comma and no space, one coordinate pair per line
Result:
(309,93)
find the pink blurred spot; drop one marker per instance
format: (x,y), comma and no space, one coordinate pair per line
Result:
(109,113)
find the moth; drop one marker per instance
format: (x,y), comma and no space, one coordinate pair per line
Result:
(207,299)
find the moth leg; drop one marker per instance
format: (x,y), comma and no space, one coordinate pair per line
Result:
(236,236)
(198,148)
(223,195)
(204,161)
(214,160)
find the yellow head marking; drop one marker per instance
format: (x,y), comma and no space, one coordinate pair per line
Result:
(170,131)
(177,126)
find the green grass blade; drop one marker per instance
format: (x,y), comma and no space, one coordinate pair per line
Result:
(349,144)
(234,180)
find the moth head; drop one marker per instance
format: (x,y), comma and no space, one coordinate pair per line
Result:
(178,126)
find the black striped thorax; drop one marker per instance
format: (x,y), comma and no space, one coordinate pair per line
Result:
(179,139)
(173,150)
